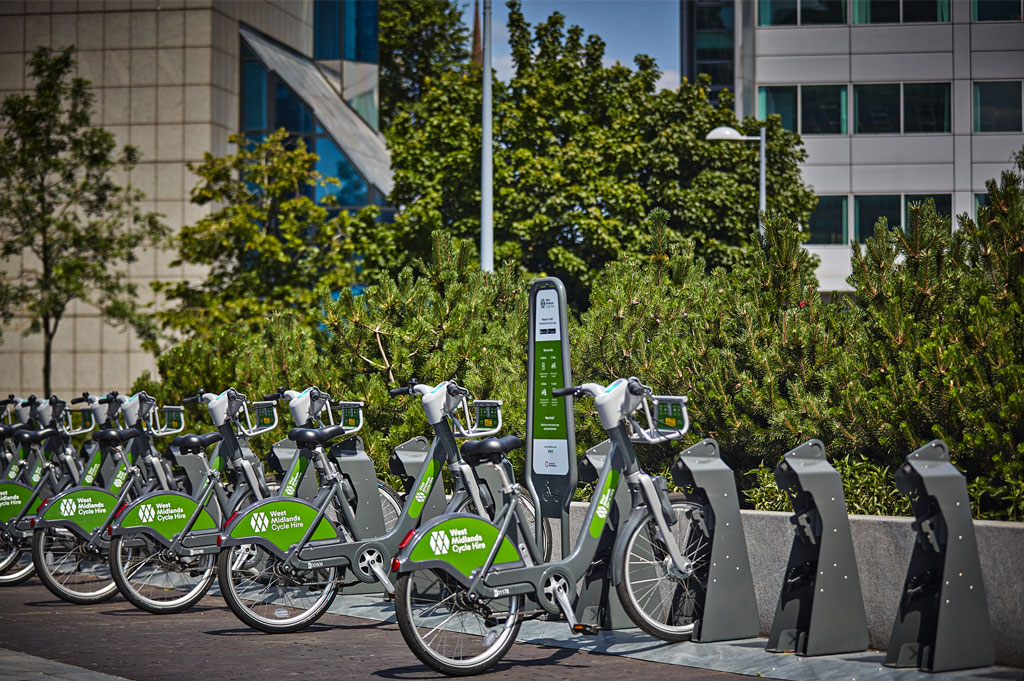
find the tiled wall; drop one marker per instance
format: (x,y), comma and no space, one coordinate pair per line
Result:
(165,74)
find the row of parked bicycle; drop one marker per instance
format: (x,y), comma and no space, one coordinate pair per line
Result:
(465,566)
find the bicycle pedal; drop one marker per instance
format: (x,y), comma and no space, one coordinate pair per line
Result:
(585,629)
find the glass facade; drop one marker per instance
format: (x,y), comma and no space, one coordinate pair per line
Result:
(823,109)
(819,12)
(876,108)
(997,106)
(261,115)
(345,29)
(709,42)
(779,100)
(822,12)
(868,209)
(996,10)
(925,10)
(876,11)
(926,107)
(828,221)
(776,13)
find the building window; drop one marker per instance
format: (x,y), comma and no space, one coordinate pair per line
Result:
(893,11)
(980,201)
(822,12)
(823,109)
(714,43)
(776,13)
(807,12)
(997,10)
(916,11)
(254,92)
(868,209)
(345,29)
(828,221)
(876,108)
(926,107)
(876,11)
(943,204)
(997,106)
(779,100)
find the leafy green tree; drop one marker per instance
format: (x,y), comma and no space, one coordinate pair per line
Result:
(62,207)
(271,241)
(419,41)
(581,153)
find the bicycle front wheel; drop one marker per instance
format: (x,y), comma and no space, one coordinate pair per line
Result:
(266,597)
(447,631)
(662,600)
(155,580)
(69,568)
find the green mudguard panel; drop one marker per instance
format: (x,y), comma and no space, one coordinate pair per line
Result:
(165,513)
(13,497)
(280,523)
(86,507)
(460,542)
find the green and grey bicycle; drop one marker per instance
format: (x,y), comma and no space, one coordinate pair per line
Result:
(463,581)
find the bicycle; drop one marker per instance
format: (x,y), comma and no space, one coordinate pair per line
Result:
(301,556)
(14,419)
(164,546)
(462,582)
(70,538)
(46,464)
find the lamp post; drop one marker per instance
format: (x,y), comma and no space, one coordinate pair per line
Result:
(724,132)
(486,161)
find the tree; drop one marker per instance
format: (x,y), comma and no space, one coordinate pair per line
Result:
(61,206)
(419,40)
(274,239)
(582,152)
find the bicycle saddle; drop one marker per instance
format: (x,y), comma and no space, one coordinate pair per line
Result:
(115,435)
(7,431)
(491,450)
(33,436)
(192,442)
(310,437)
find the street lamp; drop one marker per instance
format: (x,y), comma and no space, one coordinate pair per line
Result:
(724,132)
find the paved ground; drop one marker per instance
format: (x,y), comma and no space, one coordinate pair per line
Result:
(209,643)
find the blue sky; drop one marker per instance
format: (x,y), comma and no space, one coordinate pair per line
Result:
(628,27)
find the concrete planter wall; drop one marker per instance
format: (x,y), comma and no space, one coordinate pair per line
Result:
(883,546)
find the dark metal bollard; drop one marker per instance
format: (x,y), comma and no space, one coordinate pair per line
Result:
(943,621)
(727,606)
(820,609)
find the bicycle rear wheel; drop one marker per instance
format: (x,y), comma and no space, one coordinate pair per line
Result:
(659,598)
(265,597)
(69,568)
(155,580)
(446,631)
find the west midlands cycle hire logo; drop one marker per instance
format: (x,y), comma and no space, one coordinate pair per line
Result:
(259,522)
(68,507)
(439,542)
(146,513)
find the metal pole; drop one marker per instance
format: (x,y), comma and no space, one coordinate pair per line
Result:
(486,163)
(763,198)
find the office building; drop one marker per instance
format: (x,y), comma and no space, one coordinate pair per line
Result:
(896,100)
(176,78)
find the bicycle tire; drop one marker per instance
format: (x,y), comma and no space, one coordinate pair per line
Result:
(415,604)
(52,548)
(647,573)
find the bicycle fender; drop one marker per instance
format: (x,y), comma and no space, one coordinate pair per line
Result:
(13,497)
(458,543)
(162,515)
(637,517)
(80,509)
(277,523)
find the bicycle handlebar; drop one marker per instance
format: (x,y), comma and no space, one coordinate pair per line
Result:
(272,396)
(190,400)
(565,392)
(395,392)
(635,387)
(79,400)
